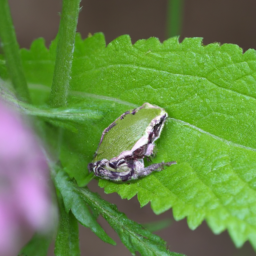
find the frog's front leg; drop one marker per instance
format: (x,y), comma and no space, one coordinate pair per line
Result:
(152,168)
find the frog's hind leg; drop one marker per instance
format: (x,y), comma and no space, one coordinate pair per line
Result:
(116,171)
(114,176)
(153,168)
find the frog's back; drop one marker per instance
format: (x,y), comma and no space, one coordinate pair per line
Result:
(126,131)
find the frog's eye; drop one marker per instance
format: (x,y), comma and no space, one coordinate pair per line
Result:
(112,165)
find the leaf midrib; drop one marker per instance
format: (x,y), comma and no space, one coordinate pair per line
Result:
(126,103)
(168,72)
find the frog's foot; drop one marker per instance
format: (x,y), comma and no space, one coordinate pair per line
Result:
(154,168)
(148,159)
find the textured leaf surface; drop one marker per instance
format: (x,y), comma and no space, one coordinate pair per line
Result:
(210,95)
(133,235)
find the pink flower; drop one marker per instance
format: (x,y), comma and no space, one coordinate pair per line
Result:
(24,189)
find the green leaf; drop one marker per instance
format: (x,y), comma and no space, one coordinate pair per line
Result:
(12,57)
(209,93)
(3,71)
(157,225)
(63,116)
(208,183)
(38,64)
(38,246)
(133,235)
(73,201)
(67,240)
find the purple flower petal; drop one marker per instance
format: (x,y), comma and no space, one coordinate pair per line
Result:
(24,188)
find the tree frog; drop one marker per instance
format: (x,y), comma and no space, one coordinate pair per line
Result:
(127,141)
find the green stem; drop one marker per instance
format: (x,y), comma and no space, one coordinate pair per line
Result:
(11,52)
(175,9)
(64,54)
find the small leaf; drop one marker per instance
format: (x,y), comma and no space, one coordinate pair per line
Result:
(79,208)
(133,235)
(38,246)
(63,117)
(157,225)
(67,240)
(38,63)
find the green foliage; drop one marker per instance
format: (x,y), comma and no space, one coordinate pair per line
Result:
(133,235)
(74,202)
(38,246)
(157,225)
(64,117)
(67,240)
(10,48)
(64,52)
(209,94)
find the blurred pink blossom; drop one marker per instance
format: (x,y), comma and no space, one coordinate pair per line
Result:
(24,176)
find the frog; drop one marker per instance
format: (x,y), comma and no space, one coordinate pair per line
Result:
(126,142)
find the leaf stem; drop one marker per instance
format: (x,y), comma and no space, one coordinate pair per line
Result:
(11,52)
(174,19)
(64,54)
